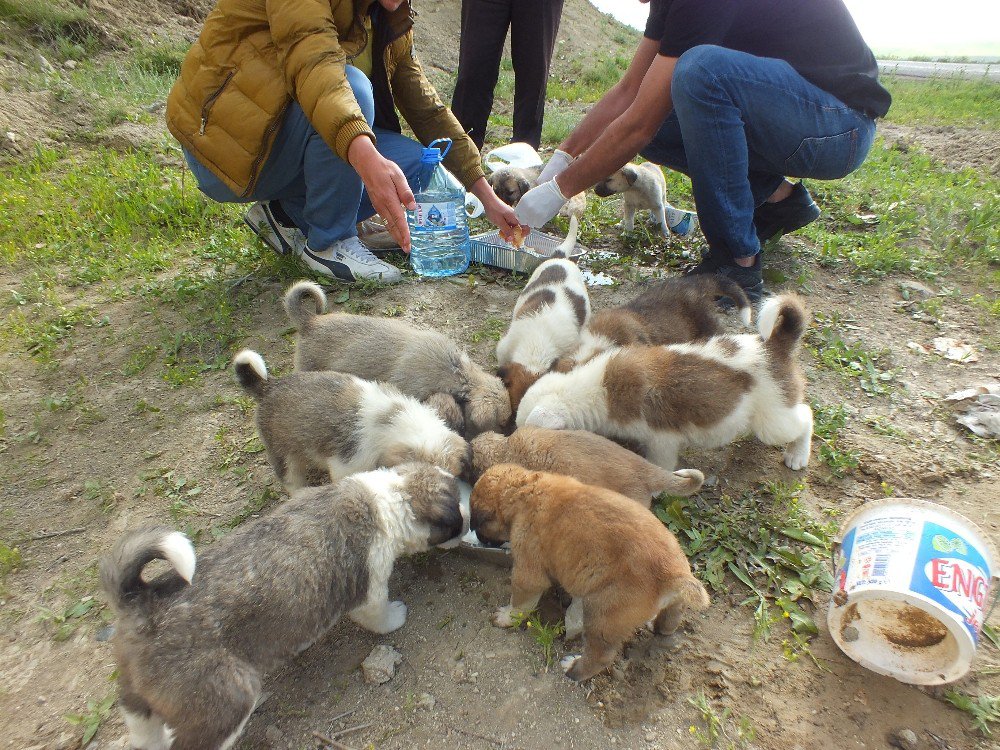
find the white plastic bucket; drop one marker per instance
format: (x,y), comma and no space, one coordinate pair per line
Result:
(912,590)
(515,154)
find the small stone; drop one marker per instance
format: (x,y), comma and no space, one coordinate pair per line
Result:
(850,634)
(45,65)
(275,737)
(70,64)
(425,702)
(65,741)
(105,633)
(711,481)
(914,290)
(380,665)
(906,739)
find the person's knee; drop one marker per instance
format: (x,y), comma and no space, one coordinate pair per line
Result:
(363,92)
(697,69)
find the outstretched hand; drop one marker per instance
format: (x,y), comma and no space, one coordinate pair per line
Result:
(540,204)
(387,188)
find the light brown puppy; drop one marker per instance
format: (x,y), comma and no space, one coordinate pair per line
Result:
(602,548)
(590,458)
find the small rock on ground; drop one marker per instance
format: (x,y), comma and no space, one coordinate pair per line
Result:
(906,739)
(380,665)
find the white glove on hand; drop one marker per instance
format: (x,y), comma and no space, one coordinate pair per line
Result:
(559,161)
(540,204)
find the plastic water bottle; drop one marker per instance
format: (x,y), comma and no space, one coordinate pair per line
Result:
(439,232)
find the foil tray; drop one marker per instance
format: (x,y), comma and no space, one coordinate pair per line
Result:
(490,250)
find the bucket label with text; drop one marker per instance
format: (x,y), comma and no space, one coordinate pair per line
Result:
(877,552)
(953,573)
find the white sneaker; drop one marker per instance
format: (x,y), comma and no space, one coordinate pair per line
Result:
(350,260)
(281,238)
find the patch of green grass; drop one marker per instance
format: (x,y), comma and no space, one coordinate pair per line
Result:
(10,560)
(766,540)
(984,709)
(91,719)
(558,125)
(96,490)
(180,493)
(66,27)
(544,634)
(944,101)
(828,421)
(254,507)
(589,81)
(722,728)
(69,619)
(490,329)
(869,368)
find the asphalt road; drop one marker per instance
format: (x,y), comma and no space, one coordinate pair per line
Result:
(914,69)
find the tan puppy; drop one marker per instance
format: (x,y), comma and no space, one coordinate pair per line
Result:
(643,188)
(585,456)
(548,316)
(703,394)
(419,362)
(671,311)
(511,183)
(602,548)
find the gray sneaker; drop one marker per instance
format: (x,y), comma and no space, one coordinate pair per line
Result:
(281,236)
(350,260)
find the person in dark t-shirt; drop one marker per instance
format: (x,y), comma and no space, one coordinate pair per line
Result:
(738,95)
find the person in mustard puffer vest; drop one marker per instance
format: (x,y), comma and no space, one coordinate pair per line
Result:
(291,105)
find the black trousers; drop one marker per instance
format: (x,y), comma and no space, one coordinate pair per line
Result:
(533,27)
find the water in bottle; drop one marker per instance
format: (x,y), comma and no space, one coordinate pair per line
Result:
(439,232)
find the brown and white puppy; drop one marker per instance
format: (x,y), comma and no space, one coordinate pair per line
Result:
(703,394)
(192,650)
(342,424)
(550,312)
(671,311)
(511,183)
(609,553)
(585,456)
(643,188)
(419,362)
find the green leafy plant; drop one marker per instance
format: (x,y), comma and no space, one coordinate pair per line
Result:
(722,729)
(91,720)
(491,328)
(828,421)
(544,634)
(67,621)
(850,360)
(984,709)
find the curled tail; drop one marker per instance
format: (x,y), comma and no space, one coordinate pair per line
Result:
(121,570)
(565,248)
(694,594)
(727,288)
(300,310)
(781,322)
(682,482)
(251,372)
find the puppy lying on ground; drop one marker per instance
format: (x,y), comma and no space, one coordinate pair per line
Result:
(671,311)
(548,316)
(605,550)
(419,362)
(643,188)
(192,650)
(342,424)
(702,394)
(585,456)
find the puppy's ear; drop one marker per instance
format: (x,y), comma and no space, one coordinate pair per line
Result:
(503,372)
(523,186)
(631,174)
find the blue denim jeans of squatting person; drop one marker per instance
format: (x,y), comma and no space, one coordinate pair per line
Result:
(740,124)
(318,190)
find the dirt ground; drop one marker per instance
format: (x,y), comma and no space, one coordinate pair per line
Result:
(89,452)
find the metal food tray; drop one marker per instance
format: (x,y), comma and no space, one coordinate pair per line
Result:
(489,249)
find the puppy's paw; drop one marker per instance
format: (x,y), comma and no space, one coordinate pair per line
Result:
(692,479)
(568,661)
(796,459)
(504,617)
(394,617)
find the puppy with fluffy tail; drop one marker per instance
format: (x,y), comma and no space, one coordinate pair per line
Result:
(585,456)
(671,311)
(192,649)
(341,424)
(419,362)
(550,312)
(703,394)
(613,556)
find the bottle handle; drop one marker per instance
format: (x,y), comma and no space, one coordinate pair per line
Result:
(433,144)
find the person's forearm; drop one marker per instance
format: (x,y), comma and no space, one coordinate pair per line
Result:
(596,121)
(618,146)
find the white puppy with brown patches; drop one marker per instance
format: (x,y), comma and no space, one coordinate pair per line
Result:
(548,316)
(700,394)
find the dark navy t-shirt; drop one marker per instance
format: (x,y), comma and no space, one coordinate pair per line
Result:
(816,37)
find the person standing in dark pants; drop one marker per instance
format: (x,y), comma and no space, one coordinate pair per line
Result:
(533,27)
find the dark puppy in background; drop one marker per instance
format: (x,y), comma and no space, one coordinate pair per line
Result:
(342,424)
(590,458)
(419,362)
(671,311)
(192,650)
(618,562)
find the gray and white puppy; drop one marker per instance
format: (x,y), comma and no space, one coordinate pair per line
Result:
(419,362)
(643,188)
(342,424)
(192,651)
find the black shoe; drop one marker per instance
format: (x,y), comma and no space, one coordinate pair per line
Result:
(749,278)
(709,263)
(794,212)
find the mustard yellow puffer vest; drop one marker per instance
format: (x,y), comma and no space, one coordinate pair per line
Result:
(254,57)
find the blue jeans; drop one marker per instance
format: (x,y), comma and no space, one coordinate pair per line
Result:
(318,190)
(740,124)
